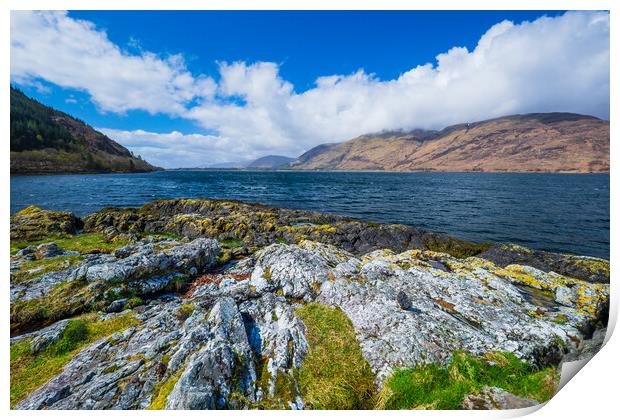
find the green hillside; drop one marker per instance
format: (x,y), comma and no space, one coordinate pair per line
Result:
(44,140)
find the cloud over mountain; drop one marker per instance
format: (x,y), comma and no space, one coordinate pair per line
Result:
(550,64)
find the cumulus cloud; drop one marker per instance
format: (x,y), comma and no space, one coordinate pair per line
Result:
(550,64)
(75,54)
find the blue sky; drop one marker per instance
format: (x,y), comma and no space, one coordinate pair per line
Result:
(206,87)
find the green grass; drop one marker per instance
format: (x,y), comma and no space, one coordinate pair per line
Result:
(334,374)
(36,268)
(443,388)
(231,243)
(29,371)
(85,243)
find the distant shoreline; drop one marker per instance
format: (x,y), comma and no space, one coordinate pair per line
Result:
(372,171)
(365,171)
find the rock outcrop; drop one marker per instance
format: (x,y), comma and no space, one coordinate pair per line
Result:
(33,223)
(254,226)
(209,332)
(492,398)
(233,340)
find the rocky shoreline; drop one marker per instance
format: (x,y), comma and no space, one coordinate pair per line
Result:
(207,304)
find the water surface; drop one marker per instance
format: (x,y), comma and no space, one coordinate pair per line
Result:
(555,212)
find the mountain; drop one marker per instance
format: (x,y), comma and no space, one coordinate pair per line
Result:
(270,162)
(544,142)
(45,141)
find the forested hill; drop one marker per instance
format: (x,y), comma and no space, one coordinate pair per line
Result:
(44,140)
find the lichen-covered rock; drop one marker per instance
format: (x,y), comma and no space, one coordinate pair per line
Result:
(493,398)
(143,269)
(117,306)
(255,226)
(42,251)
(234,340)
(587,348)
(95,281)
(294,271)
(194,256)
(33,223)
(222,355)
(590,269)
(258,226)
(44,337)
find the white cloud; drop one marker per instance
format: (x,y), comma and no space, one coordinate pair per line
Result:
(550,64)
(178,150)
(73,53)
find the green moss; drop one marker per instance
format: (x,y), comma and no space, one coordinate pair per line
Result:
(224,256)
(334,374)
(285,389)
(133,302)
(29,370)
(34,223)
(458,248)
(36,268)
(436,387)
(111,369)
(185,311)
(85,243)
(162,390)
(165,360)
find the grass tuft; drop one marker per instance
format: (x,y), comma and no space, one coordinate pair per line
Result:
(162,390)
(86,243)
(334,374)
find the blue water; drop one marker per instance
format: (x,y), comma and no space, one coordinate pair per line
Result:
(555,212)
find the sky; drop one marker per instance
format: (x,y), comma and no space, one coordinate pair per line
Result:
(197,88)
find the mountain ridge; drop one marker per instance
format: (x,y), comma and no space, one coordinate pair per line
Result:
(270,162)
(537,142)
